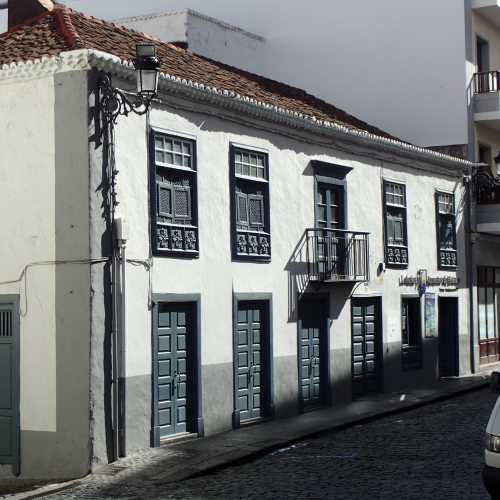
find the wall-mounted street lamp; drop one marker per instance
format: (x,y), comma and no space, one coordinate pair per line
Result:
(111,104)
(115,102)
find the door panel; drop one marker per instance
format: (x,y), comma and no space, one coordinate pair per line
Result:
(250,386)
(312,336)
(9,386)
(366,346)
(174,336)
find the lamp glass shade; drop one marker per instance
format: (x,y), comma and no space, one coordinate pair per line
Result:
(147,81)
(145,50)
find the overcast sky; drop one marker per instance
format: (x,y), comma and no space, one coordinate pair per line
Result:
(240,14)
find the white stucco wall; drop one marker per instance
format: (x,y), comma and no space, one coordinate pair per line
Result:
(215,276)
(44,185)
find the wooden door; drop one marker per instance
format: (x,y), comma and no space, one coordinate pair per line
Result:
(312,352)
(173,368)
(251,361)
(366,346)
(9,385)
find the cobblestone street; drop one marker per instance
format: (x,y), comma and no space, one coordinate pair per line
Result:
(434,452)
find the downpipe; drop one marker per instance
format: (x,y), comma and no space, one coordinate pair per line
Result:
(119,351)
(469,271)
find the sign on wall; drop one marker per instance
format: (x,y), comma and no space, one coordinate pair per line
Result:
(430,315)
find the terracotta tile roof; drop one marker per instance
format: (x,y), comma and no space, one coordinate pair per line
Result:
(64,29)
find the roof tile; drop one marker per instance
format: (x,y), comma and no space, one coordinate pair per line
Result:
(64,29)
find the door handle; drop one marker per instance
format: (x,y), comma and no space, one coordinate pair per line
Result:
(174,383)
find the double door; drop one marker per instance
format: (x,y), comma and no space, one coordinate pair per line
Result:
(173,369)
(366,346)
(252,382)
(313,350)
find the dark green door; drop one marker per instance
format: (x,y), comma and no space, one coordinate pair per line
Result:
(366,346)
(312,359)
(9,385)
(250,359)
(173,382)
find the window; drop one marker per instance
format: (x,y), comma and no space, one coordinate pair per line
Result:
(396,245)
(484,154)
(411,336)
(250,206)
(446,234)
(488,281)
(173,196)
(482,55)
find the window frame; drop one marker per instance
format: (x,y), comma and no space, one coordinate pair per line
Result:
(182,231)
(240,181)
(440,217)
(393,208)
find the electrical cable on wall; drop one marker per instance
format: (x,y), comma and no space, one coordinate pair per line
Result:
(23,277)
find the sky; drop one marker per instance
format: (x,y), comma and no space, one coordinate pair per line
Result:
(242,15)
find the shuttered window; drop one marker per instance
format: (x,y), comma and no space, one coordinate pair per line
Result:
(396,244)
(250,212)
(445,230)
(175,179)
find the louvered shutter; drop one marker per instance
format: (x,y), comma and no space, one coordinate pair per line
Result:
(256,210)
(242,209)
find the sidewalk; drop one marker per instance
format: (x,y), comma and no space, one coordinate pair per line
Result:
(177,461)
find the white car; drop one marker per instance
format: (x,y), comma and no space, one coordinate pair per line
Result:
(491,471)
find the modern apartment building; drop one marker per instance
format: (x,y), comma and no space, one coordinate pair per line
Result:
(240,252)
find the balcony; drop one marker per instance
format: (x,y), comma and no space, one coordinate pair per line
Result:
(489,9)
(334,255)
(487,192)
(487,99)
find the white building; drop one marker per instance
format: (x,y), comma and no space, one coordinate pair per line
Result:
(280,255)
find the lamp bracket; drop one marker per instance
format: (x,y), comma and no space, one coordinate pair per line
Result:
(115,102)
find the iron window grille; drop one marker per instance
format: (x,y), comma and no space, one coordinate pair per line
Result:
(173,196)
(250,215)
(446,231)
(395,222)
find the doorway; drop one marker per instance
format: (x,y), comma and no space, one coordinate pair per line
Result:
(367,366)
(252,361)
(176,370)
(448,336)
(313,352)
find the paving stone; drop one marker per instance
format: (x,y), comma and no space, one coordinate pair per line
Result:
(431,453)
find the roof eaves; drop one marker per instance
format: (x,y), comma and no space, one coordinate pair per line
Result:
(283,115)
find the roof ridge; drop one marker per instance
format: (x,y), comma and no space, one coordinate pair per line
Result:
(66,27)
(120,27)
(28,22)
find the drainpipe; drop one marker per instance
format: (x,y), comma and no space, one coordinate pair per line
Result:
(469,249)
(121,237)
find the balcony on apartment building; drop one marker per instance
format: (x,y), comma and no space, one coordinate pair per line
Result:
(489,9)
(487,98)
(335,255)
(487,192)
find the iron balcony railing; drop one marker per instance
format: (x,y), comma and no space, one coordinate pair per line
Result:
(486,188)
(487,81)
(335,255)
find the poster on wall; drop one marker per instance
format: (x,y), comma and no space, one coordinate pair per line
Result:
(430,315)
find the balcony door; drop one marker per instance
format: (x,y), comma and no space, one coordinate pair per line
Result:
(330,216)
